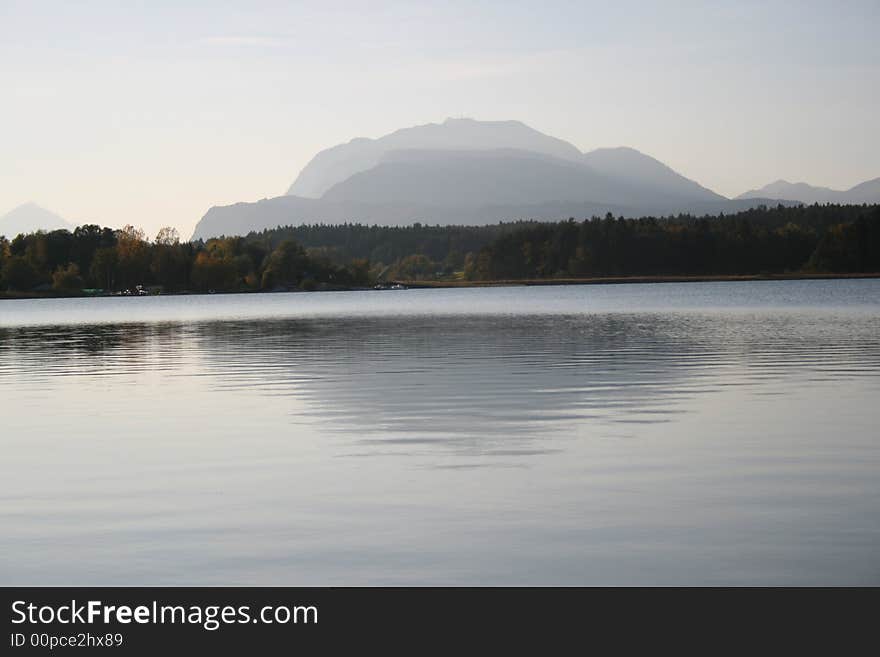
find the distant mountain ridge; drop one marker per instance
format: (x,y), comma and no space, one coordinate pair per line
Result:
(466,171)
(293,210)
(472,178)
(29,218)
(866,192)
(335,164)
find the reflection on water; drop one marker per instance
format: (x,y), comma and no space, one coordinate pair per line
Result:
(547,436)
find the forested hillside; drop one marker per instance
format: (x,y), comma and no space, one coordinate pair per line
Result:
(94,260)
(784,239)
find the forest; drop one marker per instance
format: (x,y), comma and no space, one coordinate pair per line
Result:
(780,240)
(97,260)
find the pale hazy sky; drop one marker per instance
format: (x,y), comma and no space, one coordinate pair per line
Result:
(150,112)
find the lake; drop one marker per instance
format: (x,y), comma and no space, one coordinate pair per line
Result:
(696,433)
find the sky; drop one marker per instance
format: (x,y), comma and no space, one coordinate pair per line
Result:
(151,112)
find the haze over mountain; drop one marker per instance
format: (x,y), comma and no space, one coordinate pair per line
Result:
(29,218)
(866,192)
(335,164)
(474,172)
(632,165)
(510,176)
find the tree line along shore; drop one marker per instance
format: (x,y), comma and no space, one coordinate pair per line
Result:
(765,242)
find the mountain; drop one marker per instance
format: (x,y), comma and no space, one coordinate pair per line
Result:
(794,191)
(335,164)
(503,177)
(29,218)
(470,172)
(866,192)
(241,218)
(468,178)
(651,174)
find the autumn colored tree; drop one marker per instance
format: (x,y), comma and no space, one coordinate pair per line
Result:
(170,261)
(287,266)
(359,272)
(213,273)
(832,238)
(133,252)
(415,267)
(168,236)
(67,279)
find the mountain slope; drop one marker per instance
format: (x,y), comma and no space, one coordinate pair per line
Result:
(793,191)
(241,218)
(29,218)
(335,164)
(462,178)
(650,173)
(866,192)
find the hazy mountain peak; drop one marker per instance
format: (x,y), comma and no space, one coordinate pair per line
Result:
(458,119)
(468,121)
(335,164)
(30,217)
(800,191)
(866,192)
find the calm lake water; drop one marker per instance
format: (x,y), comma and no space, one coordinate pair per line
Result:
(703,433)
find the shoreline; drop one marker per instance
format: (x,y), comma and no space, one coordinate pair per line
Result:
(427,285)
(623,280)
